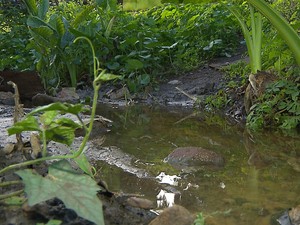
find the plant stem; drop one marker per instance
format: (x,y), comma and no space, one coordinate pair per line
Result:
(11,194)
(3,184)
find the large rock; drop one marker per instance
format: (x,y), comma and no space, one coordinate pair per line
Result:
(175,215)
(194,156)
(28,82)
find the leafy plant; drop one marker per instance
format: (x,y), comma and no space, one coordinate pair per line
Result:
(285,30)
(200,220)
(252,35)
(14,38)
(82,189)
(280,107)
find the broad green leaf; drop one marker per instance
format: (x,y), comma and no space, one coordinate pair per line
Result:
(62,130)
(77,191)
(84,164)
(32,7)
(62,107)
(145,79)
(109,27)
(80,17)
(42,35)
(60,26)
(35,22)
(134,64)
(48,117)
(43,9)
(66,122)
(60,134)
(107,77)
(30,123)
(51,222)
(15,200)
(285,30)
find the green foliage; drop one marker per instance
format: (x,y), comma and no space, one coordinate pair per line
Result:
(252,34)
(49,127)
(77,191)
(218,101)
(142,47)
(14,38)
(200,220)
(279,107)
(285,30)
(66,184)
(276,53)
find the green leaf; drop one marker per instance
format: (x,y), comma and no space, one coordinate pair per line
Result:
(15,200)
(106,77)
(62,131)
(51,222)
(32,7)
(30,123)
(60,26)
(144,79)
(42,35)
(62,107)
(43,9)
(80,17)
(84,164)
(285,30)
(35,22)
(77,191)
(134,64)
(48,117)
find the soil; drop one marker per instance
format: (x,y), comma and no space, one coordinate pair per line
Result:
(175,91)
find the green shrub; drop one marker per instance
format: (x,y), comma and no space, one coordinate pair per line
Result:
(14,38)
(279,106)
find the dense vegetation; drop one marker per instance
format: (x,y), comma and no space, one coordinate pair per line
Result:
(146,46)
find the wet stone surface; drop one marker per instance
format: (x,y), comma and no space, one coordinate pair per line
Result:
(194,156)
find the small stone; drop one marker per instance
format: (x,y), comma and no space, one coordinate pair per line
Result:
(175,215)
(9,148)
(174,82)
(294,214)
(68,94)
(7,98)
(140,203)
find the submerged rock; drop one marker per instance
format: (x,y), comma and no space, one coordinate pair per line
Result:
(194,156)
(175,215)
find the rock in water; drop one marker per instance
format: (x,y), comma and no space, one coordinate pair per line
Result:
(194,156)
(175,215)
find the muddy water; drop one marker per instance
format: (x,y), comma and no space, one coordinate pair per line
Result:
(260,180)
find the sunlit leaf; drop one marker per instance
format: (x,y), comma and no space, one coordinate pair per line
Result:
(60,134)
(32,7)
(30,123)
(77,191)
(48,117)
(43,9)
(15,200)
(62,107)
(107,77)
(35,22)
(60,26)
(51,222)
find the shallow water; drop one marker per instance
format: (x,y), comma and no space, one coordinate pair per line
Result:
(259,181)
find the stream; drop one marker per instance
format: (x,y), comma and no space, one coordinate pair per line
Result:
(259,181)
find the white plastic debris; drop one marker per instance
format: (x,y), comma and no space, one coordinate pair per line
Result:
(222,185)
(167,179)
(165,198)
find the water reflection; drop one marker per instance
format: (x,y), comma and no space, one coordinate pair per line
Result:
(260,178)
